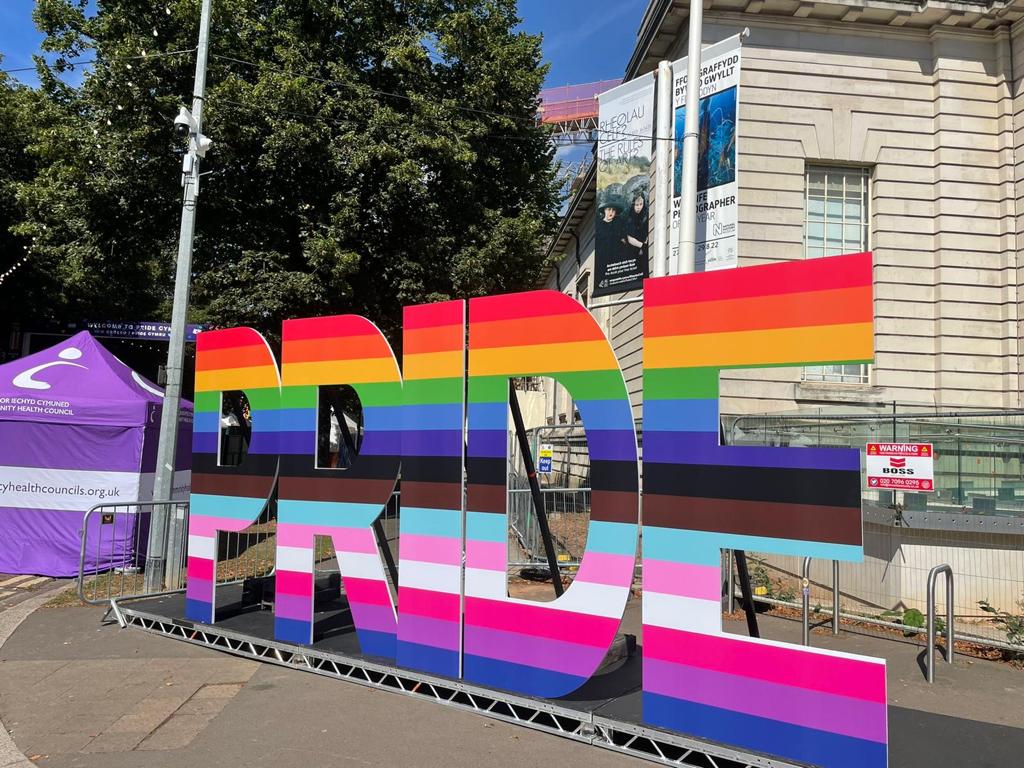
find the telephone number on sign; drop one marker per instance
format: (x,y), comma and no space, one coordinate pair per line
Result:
(901,482)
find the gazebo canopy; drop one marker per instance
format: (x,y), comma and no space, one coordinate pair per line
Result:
(76,382)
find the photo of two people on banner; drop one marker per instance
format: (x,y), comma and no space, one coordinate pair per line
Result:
(622,230)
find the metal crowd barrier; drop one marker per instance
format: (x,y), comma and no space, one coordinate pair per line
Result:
(568,512)
(114,539)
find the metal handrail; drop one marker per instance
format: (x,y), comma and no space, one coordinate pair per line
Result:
(930,653)
(881,416)
(805,600)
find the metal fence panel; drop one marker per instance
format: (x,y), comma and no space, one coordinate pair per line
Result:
(974,521)
(114,537)
(112,555)
(568,513)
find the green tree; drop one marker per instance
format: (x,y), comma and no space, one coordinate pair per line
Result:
(21,287)
(368,154)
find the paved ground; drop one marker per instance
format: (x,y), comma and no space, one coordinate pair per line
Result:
(983,691)
(75,692)
(17,588)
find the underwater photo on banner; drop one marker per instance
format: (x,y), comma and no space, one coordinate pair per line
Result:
(717,180)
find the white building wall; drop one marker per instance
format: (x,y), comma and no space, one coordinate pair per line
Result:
(931,114)
(937,115)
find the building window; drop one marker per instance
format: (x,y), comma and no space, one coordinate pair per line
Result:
(855,373)
(583,289)
(836,211)
(836,222)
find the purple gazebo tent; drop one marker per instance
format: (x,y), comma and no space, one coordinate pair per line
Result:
(77,428)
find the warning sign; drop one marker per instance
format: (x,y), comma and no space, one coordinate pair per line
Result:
(901,466)
(544,455)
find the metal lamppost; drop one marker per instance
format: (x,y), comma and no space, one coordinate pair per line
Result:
(688,212)
(187,124)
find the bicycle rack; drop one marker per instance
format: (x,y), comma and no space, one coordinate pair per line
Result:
(930,653)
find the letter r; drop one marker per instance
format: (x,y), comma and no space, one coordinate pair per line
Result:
(340,503)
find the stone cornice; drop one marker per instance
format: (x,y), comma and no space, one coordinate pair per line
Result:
(664,21)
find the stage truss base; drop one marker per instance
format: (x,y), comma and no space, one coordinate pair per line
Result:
(616,735)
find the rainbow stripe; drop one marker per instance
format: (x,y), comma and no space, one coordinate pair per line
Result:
(228,498)
(340,503)
(802,704)
(545,649)
(431,541)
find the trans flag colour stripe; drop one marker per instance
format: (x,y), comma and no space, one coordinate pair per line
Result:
(545,649)
(228,498)
(802,704)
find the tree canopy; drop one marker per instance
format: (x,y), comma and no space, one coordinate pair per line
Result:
(368,154)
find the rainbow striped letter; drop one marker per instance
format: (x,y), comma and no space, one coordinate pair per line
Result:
(801,704)
(341,503)
(545,649)
(228,498)
(430,549)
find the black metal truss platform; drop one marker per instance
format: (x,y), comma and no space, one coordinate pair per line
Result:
(595,717)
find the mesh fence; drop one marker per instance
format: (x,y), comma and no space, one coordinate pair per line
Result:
(974,522)
(568,514)
(890,585)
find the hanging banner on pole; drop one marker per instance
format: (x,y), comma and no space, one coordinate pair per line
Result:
(626,129)
(717,186)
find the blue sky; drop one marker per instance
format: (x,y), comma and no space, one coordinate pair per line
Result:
(584,40)
(18,36)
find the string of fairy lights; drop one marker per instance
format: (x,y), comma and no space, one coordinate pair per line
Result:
(25,257)
(13,268)
(143,55)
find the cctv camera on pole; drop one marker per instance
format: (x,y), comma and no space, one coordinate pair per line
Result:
(187,126)
(165,537)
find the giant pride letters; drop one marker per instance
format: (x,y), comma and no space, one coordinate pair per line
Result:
(809,705)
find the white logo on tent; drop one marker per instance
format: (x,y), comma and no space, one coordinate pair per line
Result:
(142,383)
(25,380)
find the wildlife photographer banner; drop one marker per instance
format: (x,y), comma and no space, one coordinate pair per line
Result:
(621,233)
(717,186)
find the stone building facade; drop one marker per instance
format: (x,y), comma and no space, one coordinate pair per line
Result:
(881,125)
